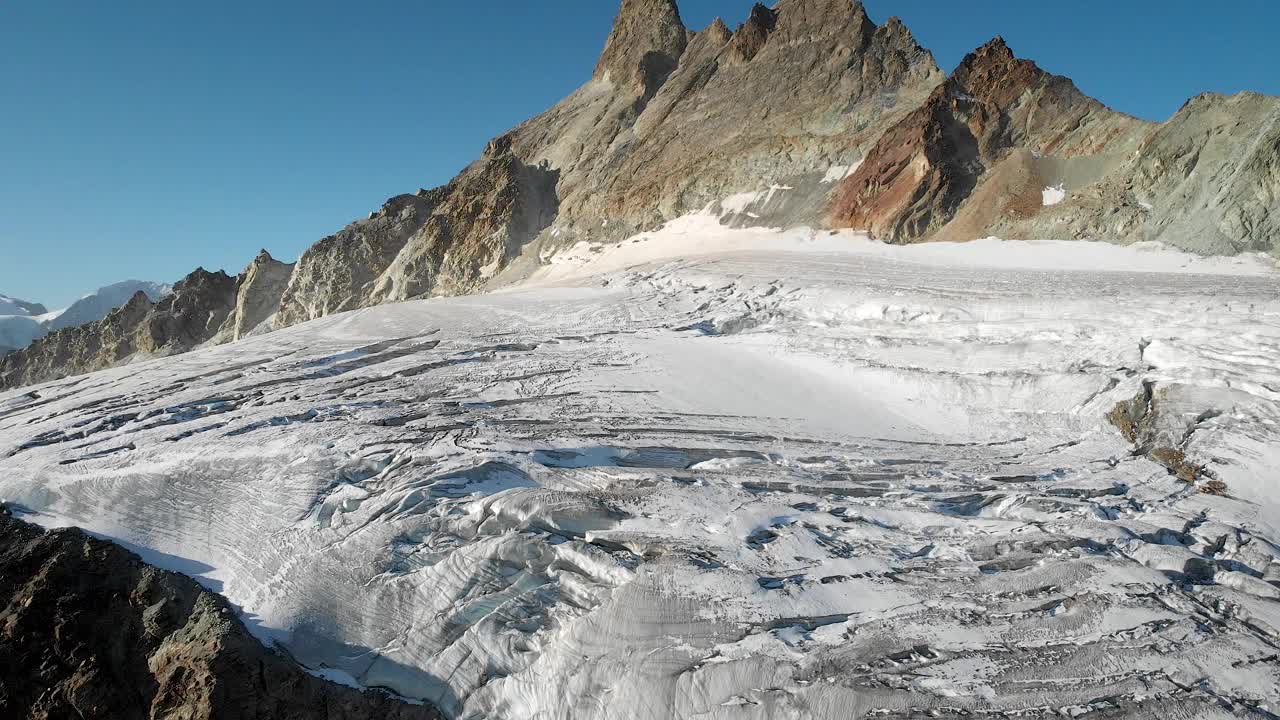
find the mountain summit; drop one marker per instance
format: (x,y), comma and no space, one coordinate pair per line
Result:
(807,113)
(645,46)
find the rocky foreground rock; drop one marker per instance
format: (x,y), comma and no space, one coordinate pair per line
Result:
(88,630)
(806,113)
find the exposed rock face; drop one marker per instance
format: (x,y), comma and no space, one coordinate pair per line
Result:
(1208,180)
(918,175)
(191,315)
(338,272)
(442,241)
(87,630)
(794,91)
(258,292)
(646,44)
(1160,422)
(490,212)
(751,36)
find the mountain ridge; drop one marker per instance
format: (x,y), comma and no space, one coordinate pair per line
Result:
(807,113)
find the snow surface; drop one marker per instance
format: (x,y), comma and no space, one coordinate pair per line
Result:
(718,473)
(18,325)
(14,306)
(1053,195)
(17,331)
(836,173)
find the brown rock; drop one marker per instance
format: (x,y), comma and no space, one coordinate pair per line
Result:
(88,630)
(922,170)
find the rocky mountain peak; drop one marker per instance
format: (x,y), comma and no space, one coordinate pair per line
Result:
(139,299)
(644,48)
(717,32)
(259,289)
(893,42)
(809,20)
(993,72)
(751,36)
(996,48)
(994,108)
(201,280)
(896,34)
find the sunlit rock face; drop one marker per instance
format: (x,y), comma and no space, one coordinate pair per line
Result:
(179,321)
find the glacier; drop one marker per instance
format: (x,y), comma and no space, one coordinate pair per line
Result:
(719,473)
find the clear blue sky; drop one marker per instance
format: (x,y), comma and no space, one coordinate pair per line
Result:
(141,139)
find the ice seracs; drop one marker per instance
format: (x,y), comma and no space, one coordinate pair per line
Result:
(724,472)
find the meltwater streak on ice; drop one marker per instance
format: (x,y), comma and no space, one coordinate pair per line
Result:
(723,473)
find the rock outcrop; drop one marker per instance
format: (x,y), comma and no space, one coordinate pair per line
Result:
(644,48)
(258,292)
(338,273)
(88,630)
(1208,180)
(795,90)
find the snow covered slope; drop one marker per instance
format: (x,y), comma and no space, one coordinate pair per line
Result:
(17,331)
(776,474)
(14,306)
(20,323)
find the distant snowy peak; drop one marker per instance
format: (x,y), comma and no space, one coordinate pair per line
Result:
(96,305)
(19,323)
(23,322)
(14,306)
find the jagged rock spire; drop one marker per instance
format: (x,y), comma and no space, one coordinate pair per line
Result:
(995,53)
(752,35)
(806,20)
(994,73)
(645,46)
(718,31)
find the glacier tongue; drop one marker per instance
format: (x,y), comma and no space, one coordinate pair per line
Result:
(786,475)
